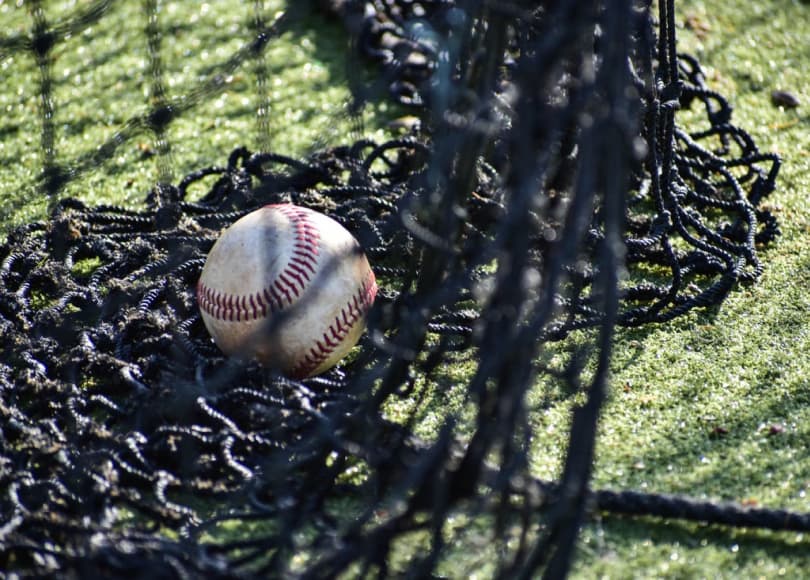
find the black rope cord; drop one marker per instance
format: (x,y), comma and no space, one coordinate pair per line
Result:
(120,416)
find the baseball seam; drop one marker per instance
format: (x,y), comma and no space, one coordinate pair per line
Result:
(354,310)
(287,286)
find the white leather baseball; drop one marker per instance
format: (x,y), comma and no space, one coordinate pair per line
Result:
(288,287)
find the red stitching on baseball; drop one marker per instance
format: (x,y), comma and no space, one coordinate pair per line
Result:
(259,303)
(330,343)
(355,309)
(310,264)
(283,289)
(299,272)
(273,298)
(289,284)
(253,307)
(293,284)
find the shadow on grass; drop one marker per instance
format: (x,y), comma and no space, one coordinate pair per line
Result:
(748,546)
(739,457)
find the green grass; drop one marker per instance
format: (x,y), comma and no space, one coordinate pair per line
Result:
(714,405)
(743,369)
(101,79)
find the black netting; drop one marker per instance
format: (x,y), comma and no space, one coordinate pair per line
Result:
(548,191)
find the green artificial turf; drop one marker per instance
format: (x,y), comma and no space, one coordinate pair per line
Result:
(714,405)
(101,79)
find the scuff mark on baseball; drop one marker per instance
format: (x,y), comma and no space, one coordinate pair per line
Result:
(288,287)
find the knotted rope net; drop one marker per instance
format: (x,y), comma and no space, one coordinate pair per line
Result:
(547,190)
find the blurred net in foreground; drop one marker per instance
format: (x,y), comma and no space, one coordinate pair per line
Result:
(550,191)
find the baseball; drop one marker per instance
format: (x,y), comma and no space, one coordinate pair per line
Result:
(288,287)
